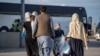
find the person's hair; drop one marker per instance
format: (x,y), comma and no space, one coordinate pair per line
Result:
(34,14)
(75,17)
(32,17)
(58,24)
(43,8)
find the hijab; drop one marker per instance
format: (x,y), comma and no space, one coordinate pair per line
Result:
(27,16)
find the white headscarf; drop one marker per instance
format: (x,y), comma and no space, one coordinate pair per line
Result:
(34,13)
(27,16)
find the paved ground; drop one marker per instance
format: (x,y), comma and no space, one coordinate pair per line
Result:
(94,50)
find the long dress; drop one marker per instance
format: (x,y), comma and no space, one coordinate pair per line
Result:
(31,44)
(76,46)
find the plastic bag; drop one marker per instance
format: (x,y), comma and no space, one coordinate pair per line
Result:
(65,47)
(23,34)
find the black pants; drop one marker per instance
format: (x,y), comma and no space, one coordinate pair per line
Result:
(76,46)
(31,47)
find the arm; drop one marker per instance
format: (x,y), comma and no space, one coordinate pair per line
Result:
(52,27)
(34,26)
(23,30)
(62,32)
(84,36)
(70,31)
(23,33)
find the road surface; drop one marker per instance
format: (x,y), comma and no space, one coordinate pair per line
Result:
(94,50)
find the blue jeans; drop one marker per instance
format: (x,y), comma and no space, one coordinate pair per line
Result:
(45,45)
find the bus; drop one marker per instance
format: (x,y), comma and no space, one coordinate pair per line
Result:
(53,10)
(10,12)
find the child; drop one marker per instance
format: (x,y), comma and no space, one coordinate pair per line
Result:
(58,34)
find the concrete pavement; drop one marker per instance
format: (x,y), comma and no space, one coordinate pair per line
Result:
(94,50)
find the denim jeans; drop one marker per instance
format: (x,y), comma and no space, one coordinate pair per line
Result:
(45,45)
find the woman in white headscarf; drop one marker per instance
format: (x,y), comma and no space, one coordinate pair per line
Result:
(30,43)
(34,17)
(77,36)
(34,39)
(27,29)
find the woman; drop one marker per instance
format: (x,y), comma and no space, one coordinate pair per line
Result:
(77,36)
(58,34)
(31,47)
(34,41)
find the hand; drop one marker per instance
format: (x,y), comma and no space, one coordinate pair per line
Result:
(67,38)
(86,45)
(33,37)
(86,48)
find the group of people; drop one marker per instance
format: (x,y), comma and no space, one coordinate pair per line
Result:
(41,34)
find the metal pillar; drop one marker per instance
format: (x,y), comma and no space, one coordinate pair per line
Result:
(22,17)
(22,11)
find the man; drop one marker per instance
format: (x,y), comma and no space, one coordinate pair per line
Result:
(44,32)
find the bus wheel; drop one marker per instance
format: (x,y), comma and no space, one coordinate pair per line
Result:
(4,29)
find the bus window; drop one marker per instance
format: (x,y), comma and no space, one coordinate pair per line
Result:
(84,20)
(90,20)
